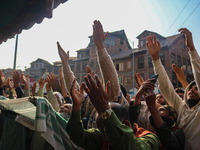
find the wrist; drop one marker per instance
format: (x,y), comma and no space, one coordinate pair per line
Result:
(155,58)
(76,108)
(100,47)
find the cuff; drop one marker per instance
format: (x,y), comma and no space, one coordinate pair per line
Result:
(157,63)
(113,120)
(193,55)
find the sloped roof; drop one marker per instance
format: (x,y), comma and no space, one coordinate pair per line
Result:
(41,60)
(17,15)
(145,32)
(120,34)
(79,59)
(121,54)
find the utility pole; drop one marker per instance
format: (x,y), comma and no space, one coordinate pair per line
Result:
(15,57)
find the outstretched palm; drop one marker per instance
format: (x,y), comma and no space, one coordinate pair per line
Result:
(63,55)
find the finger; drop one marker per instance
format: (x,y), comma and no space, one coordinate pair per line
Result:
(92,81)
(108,88)
(86,88)
(73,87)
(158,43)
(105,35)
(88,82)
(151,40)
(182,68)
(81,88)
(98,82)
(154,40)
(88,70)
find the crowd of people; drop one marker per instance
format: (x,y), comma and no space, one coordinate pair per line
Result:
(100,115)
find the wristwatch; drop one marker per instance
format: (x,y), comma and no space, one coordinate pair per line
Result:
(106,114)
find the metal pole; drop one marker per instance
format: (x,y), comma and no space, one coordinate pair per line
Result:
(15,57)
(133,73)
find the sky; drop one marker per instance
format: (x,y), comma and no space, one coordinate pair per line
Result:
(72,21)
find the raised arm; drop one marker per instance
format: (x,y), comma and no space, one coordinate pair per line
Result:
(194,56)
(68,74)
(62,83)
(50,96)
(105,62)
(180,75)
(88,139)
(26,81)
(165,84)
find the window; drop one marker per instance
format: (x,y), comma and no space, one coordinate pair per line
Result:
(188,62)
(150,62)
(184,61)
(36,65)
(120,80)
(78,66)
(140,62)
(121,42)
(162,58)
(128,81)
(174,79)
(121,66)
(173,58)
(179,60)
(128,64)
(117,67)
(84,64)
(141,43)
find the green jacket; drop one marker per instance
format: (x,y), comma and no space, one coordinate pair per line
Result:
(120,136)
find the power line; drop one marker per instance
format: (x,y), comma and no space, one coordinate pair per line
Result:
(177,17)
(190,14)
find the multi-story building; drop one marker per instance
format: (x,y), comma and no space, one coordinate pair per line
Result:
(40,66)
(114,43)
(173,51)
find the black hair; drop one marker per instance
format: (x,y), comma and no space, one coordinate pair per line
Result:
(179,90)
(191,85)
(121,112)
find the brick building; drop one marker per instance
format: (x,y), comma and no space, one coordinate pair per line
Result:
(114,43)
(173,51)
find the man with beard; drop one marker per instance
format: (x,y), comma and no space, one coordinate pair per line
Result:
(188,109)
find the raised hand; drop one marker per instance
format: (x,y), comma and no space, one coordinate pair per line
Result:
(98,35)
(50,80)
(41,82)
(180,75)
(16,79)
(98,96)
(25,79)
(88,70)
(9,83)
(33,88)
(63,55)
(77,96)
(139,80)
(188,39)
(2,79)
(153,47)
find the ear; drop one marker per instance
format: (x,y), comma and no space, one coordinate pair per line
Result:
(171,117)
(127,123)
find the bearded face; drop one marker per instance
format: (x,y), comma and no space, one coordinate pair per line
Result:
(193,95)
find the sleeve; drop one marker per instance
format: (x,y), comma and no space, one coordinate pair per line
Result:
(19,92)
(89,139)
(195,62)
(171,140)
(40,92)
(134,112)
(166,87)
(109,72)
(121,136)
(53,100)
(26,92)
(69,77)
(1,91)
